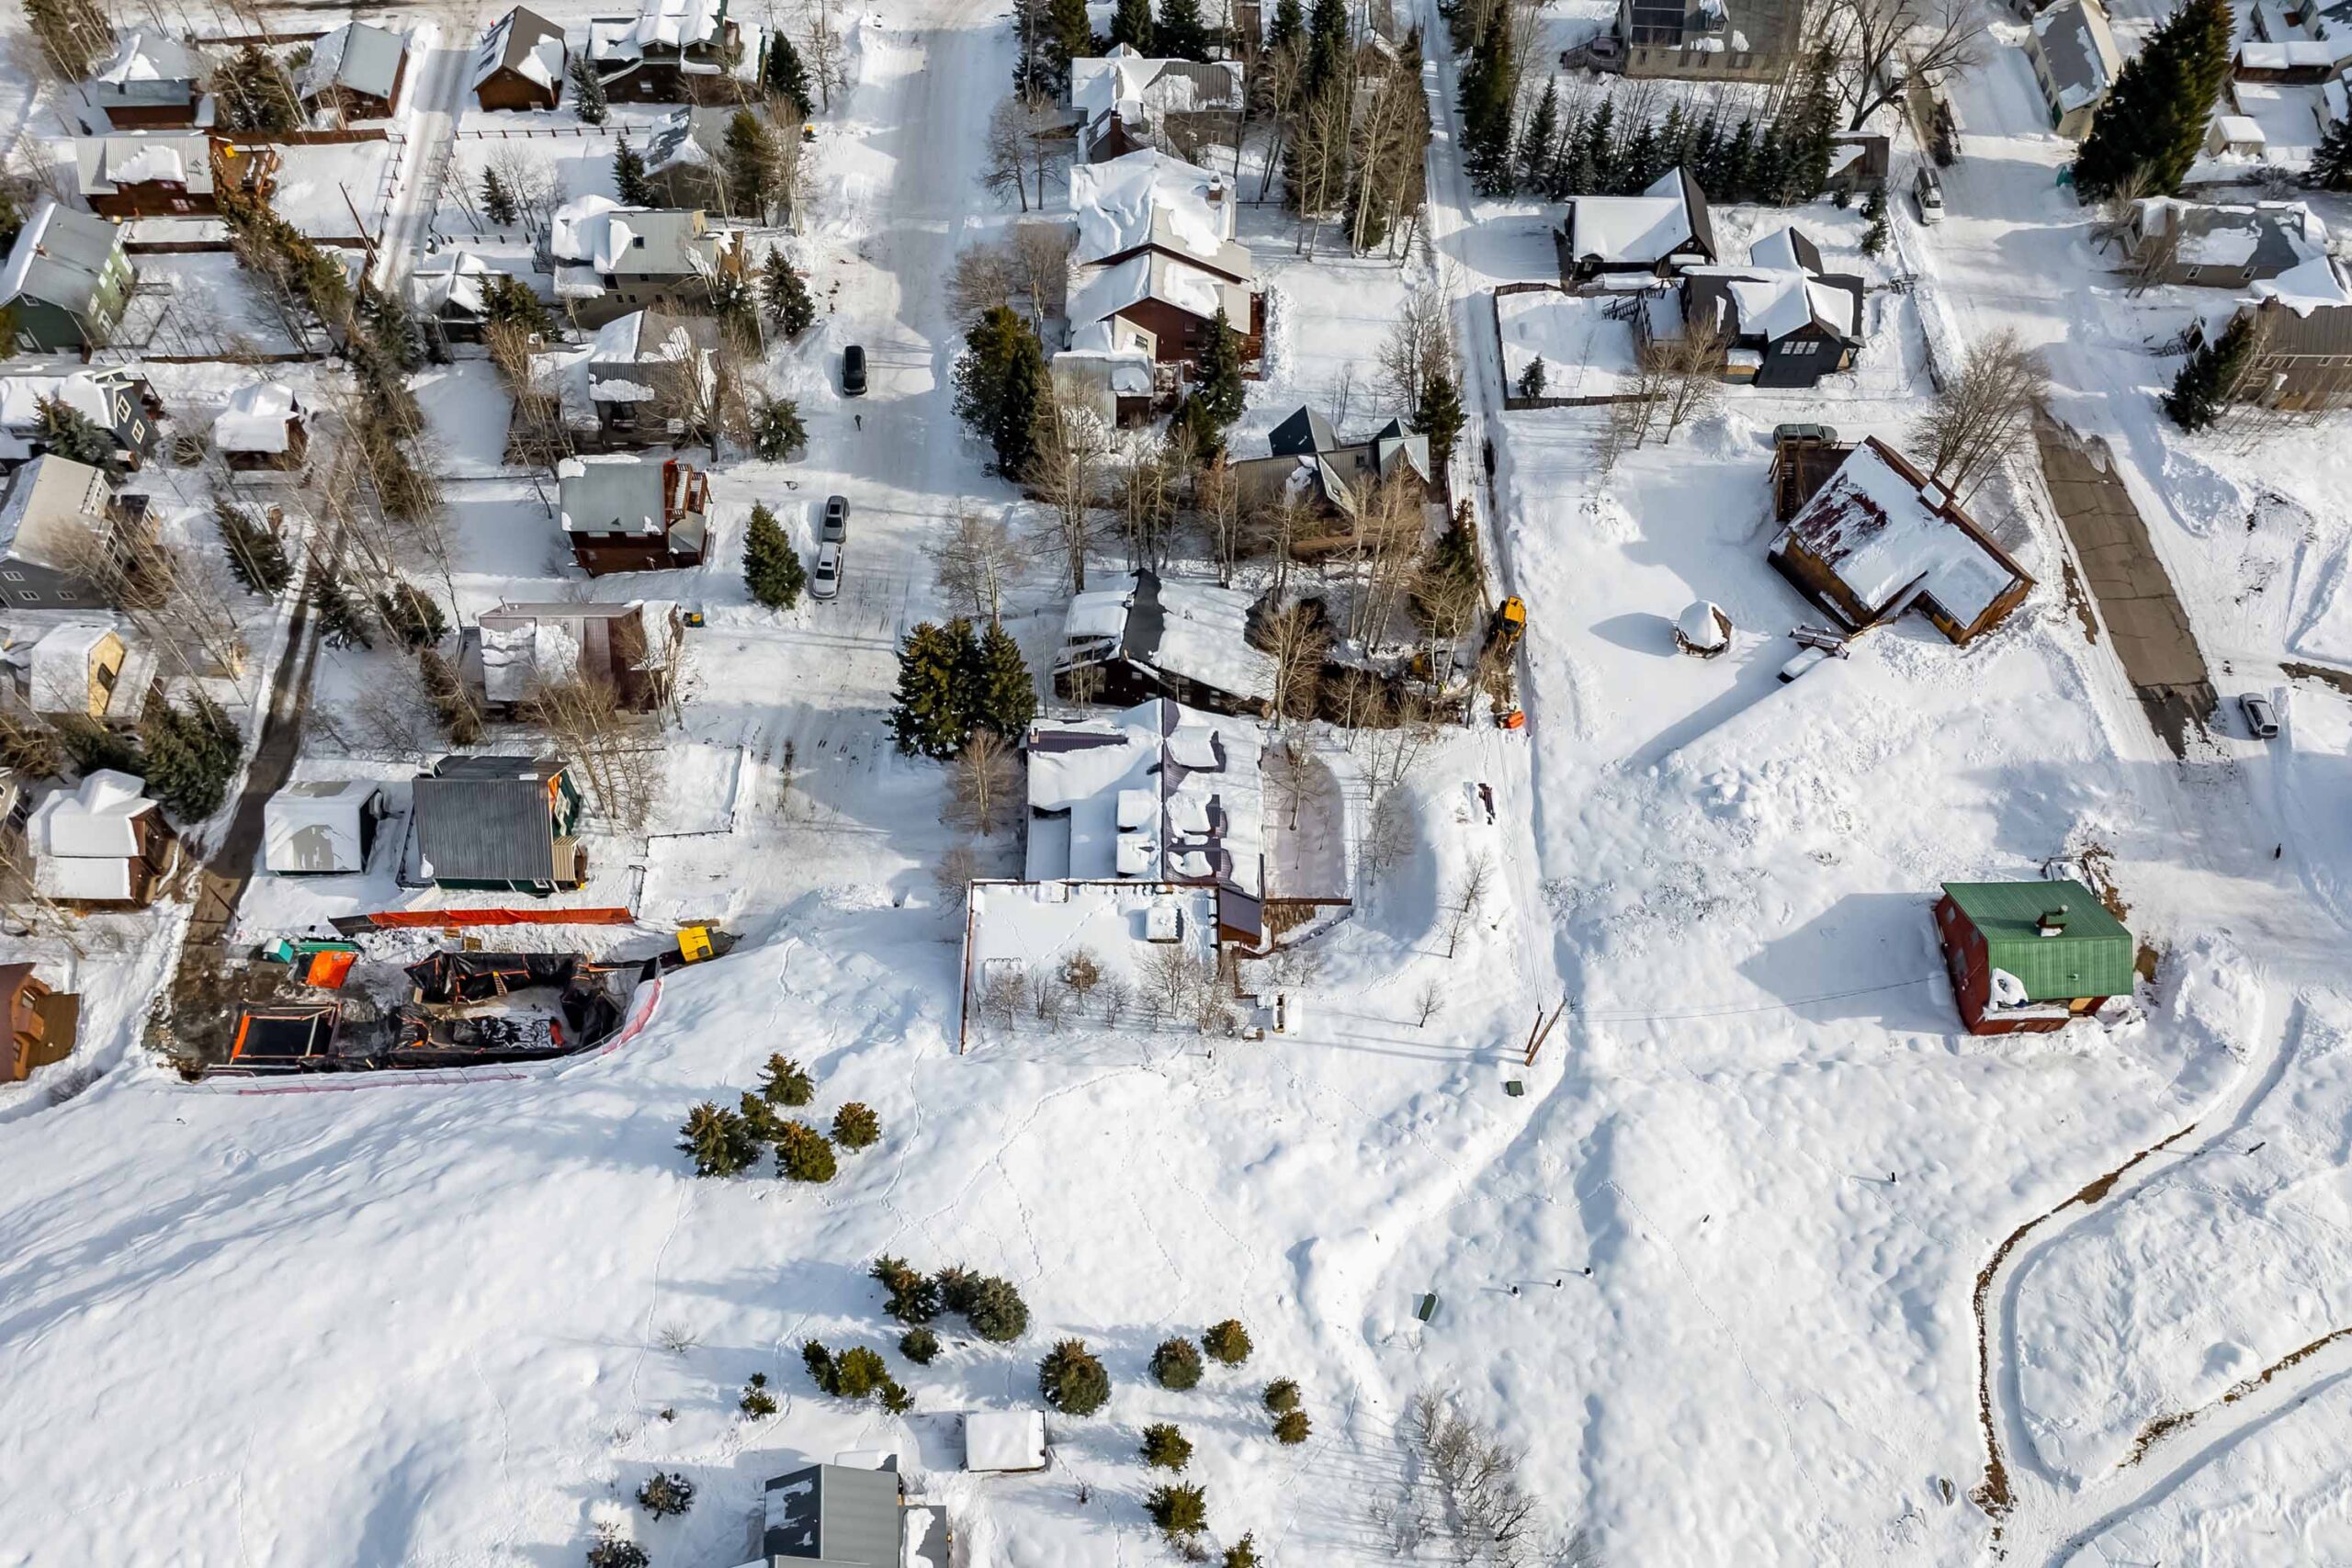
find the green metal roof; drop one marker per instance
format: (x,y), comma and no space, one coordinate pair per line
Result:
(2091,958)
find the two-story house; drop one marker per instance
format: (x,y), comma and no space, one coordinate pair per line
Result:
(609,260)
(66,281)
(629,513)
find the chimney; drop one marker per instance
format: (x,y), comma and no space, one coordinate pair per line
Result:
(2053,922)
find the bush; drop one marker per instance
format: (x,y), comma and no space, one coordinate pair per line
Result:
(783,1083)
(820,1362)
(612,1551)
(1282,1394)
(1179,1511)
(759,1117)
(1176,1364)
(665,1493)
(757,1401)
(803,1154)
(1072,1381)
(1166,1448)
(919,1346)
(856,1127)
(1242,1553)
(1227,1341)
(989,1304)
(721,1142)
(914,1299)
(858,1373)
(777,431)
(895,1399)
(1292,1426)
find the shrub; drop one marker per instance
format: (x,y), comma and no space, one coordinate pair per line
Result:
(858,1373)
(759,1118)
(1242,1553)
(856,1127)
(1072,1381)
(1227,1341)
(665,1493)
(1179,1511)
(1176,1364)
(919,1346)
(1292,1426)
(820,1362)
(1282,1394)
(757,1401)
(720,1141)
(914,1299)
(989,1304)
(1166,1447)
(782,1082)
(612,1551)
(895,1399)
(803,1154)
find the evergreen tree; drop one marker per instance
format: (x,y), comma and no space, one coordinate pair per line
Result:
(341,620)
(1242,1553)
(1531,379)
(2152,125)
(1440,418)
(506,298)
(1069,35)
(498,203)
(1195,434)
(1180,32)
(1327,48)
(453,706)
(628,175)
(777,430)
(1227,1341)
(391,330)
(1220,389)
(12,218)
(255,558)
(1000,693)
(1486,91)
(1288,28)
(785,1082)
(665,1493)
(757,1401)
(1706,155)
(856,1127)
(1282,1394)
(1176,1364)
(999,384)
(1181,1512)
(251,91)
(720,1141)
(587,90)
(914,1296)
(1165,1447)
(858,1373)
(2332,165)
(1536,142)
(611,1551)
(919,1346)
(192,750)
(786,76)
(1072,1381)
(786,293)
(411,615)
(1674,136)
(2211,377)
(1639,165)
(992,1305)
(1131,25)
(928,717)
(1874,237)
(1806,131)
(772,570)
(754,169)
(803,1154)
(1736,167)
(760,1117)
(1292,1426)
(65,430)
(1596,164)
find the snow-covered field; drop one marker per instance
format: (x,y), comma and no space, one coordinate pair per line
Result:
(1718,1270)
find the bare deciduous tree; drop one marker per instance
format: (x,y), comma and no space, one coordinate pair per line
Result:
(1000,996)
(1428,1002)
(1694,370)
(1488,1511)
(975,560)
(1040,257)
(621,762)
(959,867)
(1469,897)
(1216,496)
(986,275)
(1296,638)
(983,782)
(1022,148)
(1066,473)
(1889,44)
(1420,345)
(1984,413)
(824,52)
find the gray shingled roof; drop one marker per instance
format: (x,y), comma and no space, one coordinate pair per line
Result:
(59,258)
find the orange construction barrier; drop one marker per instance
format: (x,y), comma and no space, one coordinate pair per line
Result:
(440,918)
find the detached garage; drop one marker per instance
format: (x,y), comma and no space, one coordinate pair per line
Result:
(320,826)
(2031,958)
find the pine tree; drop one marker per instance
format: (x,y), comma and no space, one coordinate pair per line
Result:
(785,1082)
(1738,164)
(786,76)
(509,300)
(1440,418)
(12,218)
(1292,1426)
(1176,1364)
(498,203)
(1706,155)
(720,1141)
(1220,387)
(192,751)
(1288,28)
(1165,1447)
(2332,165)
(1531,379)
(411,615)
(1640,164)
(760,1117)
(753,168)
(2211,376)
(1072,1381)
(999,384)
(1596,165)
(777,430)
(992,1305)
(1069,35)
(803,1154)
(927,717)
(628,175)
(1327,48)
(914,1296)
(1536,142)
(1002,695)
(251,91)
(1180,31)
(1282,1394)
(2152,125)
(771,567)
(1242,1553)
(756,1401)
(1486,98)
(919,1346)
(341,620)
(255,558)
(588,99)
(1227,1341)
(1874,237)
(1181,1512)
(856,1127)
(1674,136)
(786,293)
(1131,25)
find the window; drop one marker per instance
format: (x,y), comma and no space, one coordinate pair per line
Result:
(13,576)
(28,596)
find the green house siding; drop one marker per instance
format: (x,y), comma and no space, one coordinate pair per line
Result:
(42,328)
(2091,958)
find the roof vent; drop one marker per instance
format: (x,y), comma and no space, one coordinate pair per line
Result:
(2053,922)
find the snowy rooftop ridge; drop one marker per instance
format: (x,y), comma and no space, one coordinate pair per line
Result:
(1890,536)
(1157,793)
(1640,229)
(2078,50)
(258,418)
(1147,198)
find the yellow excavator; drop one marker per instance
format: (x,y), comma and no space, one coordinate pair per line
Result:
(1507,625)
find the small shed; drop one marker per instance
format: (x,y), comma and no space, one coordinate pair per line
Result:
(1702,630)
(42,1023)
(262,428)
(2030,957)
(2237,135)
(1004,1440)
(317,827)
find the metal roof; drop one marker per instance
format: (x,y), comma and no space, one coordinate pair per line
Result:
(487,820)
(2092,957)
(60,258)
(611,495)
(834,1514)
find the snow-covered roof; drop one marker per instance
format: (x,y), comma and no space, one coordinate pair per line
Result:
(1149,199)
(96,819)
(524,644)
(611,494)
(694,135)
(147,54)
(84,878)
(314,825)
(454,279)
(1197,774)
(21,398)
(2292,53)
(525,42)
(1890,535)
(104,164)
(669,26)
(2264,238)
(357,55)
(52,510)
(2078,51)
(599,234)
(2315,283)
(259,418)
(1153,275)
(1702,626)
(2239,131)
(58,669)
(1640,228)
(1186,627)
(1004,1439)
(60,258)
(1126,76)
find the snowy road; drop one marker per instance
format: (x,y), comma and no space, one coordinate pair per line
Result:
(435,100)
